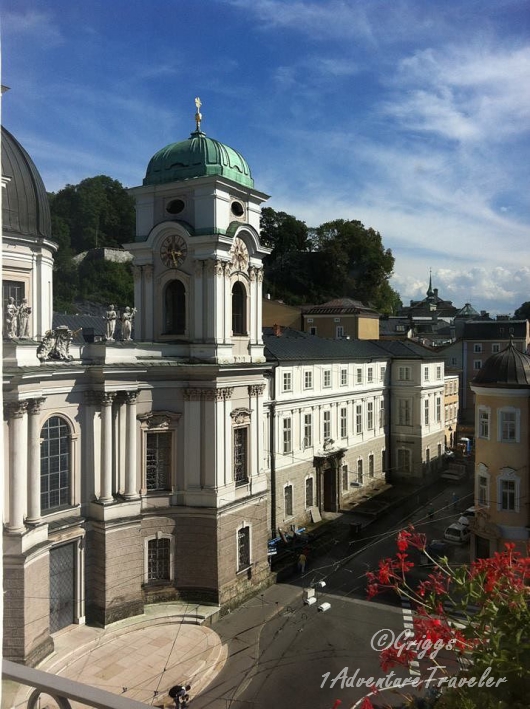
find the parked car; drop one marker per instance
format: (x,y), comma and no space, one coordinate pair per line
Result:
(453,476)
(467,515)
(457,533)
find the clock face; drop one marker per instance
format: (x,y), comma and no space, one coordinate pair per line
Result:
(239,253)
(173,251)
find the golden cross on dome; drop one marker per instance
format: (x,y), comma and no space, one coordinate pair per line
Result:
(198,115)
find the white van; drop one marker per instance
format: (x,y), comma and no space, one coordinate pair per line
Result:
(457,533)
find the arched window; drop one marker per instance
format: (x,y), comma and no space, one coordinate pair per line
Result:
(55,470)
(239,317)
(175,308)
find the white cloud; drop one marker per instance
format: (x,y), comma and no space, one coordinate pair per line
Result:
(464,93)
(31,24)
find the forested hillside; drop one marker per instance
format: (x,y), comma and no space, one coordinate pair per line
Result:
(306,265)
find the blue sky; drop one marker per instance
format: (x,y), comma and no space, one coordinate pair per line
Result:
(412,116)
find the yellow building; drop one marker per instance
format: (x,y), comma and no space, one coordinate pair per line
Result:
(502,391)
(342,317)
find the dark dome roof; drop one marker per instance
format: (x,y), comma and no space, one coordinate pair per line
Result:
(510,368)
(197,157)
(25,207)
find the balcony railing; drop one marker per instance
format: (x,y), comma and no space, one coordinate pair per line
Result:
(64,690)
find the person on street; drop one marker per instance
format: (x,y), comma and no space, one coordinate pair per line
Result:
(301,562)
(180,694)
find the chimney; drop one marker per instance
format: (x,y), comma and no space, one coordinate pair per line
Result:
(277,330)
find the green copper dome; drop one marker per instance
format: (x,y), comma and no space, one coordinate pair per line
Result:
(198,156)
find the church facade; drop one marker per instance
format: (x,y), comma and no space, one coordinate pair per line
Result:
(156,468)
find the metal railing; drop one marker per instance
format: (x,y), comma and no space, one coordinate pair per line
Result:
(64,690)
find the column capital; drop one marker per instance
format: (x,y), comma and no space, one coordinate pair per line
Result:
(104,398)
(15,409)
(35,405)
(130,397)
(256,389)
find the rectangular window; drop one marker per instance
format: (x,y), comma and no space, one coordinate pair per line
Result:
(404,374)
(495,347)
(426,411)
(404,407)
(427,457)
(345,478)
(508,495)
(371,469)
(426,373)
(327,425)
(370,374)
(483,496)
(287,436)
(477,348)
(158,461)
(287,381)
(383,373)
(312,331)
(308,379)
(508,426)
(308,430)
(243,548)
(343,377)
(453,361)
(438,372)
(339,332)
(343,422)
(360,471)
(327,377)
(403,460)
(309,492)
(438,409)
(241,455)
(358,418)
(439,450)
(383,461)
(477,364)
(158,559)
(483,424)
(288,500)
(370,416)
(359,376)
(382,421)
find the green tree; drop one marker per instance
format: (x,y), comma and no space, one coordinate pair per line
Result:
(98,212)
(522,312)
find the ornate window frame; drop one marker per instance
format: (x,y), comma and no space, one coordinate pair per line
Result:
(484,432)
(241,418)
(510,410)
(508,475)
(72,464)
(158,422)
(483,474)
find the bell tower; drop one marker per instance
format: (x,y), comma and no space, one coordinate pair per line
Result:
(198,260)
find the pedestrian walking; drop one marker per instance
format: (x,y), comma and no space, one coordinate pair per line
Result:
(180,694)
(301,562)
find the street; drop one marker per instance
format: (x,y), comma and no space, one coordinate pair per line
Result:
(281,651)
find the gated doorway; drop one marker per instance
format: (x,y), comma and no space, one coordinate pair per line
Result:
(330,490)
(62,586)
